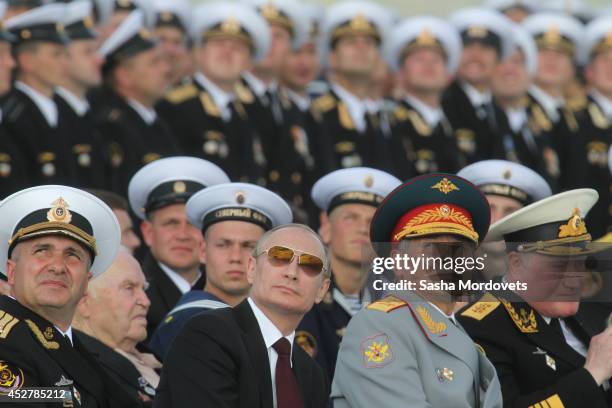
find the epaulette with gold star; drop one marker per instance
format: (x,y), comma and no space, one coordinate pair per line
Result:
(482,308)
(387,304)
(7,322)
(182,92)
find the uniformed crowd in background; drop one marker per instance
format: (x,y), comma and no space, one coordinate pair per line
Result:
(212,141)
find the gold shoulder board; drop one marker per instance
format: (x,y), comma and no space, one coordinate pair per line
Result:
(324,103)
(387,304)
(419,124)
(599,119)
(7,322)
(244,94)
(182,93)
(482,308)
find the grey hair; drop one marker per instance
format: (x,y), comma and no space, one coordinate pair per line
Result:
(260,247)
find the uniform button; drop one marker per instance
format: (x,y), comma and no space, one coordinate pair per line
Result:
(296,178)
(274,176)
(298,200)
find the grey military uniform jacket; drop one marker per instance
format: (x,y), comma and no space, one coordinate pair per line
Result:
(402,352)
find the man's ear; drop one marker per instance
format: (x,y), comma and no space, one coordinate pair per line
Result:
(84,306)
(10,272)
(322,290)
(147,232)
(325,228)
(516,265)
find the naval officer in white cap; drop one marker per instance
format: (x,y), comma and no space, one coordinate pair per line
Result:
(53,240)
(232,217)
(157,195)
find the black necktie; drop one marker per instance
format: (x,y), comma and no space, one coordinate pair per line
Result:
(556,326)
(287,390)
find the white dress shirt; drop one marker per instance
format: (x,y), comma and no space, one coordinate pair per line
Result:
(604,103)
(548,102)
(356,107)
(67,334)
(431,115)
(147,114)
(45,105)
(301,101)
(79,105)
(476,97)
(271,335)
(570,338)
(221,98)
(180,282)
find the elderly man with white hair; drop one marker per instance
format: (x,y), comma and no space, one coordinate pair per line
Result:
(111,319)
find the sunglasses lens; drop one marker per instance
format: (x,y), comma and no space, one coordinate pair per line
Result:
(313,265)
(280,254)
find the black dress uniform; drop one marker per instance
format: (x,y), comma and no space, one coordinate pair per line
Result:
(339,144)
(13,175)
(566,137)
(534,363)
(88,157)
(33,353)
(597,128)
(132,142)
(44,145)
(232,144)
(476,128)
(420,147)
(530,143)
(116,366)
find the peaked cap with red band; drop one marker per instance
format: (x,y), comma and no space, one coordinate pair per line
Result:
(432,204)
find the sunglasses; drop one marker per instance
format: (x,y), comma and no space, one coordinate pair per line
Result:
(280,255)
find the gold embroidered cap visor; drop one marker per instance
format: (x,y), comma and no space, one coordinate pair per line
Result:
(64,211)
(432,204)
(553,226)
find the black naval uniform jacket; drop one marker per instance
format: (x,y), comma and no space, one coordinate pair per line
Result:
(197,121)
(532,145)
(44,148)
(131,141)
(13,176)
(88,157)
(33,353)
(477,139)
(117,366)
(420,149)
(534,363)
(162,292)
(568,141)
(339,144)
(220,360)
(597,130)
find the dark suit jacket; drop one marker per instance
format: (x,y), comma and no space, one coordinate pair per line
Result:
(162,292)
(118,367)
(220,360)
(38,355)
(534,363)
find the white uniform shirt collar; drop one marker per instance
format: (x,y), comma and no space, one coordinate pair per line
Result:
(258,86)
(180,282)
(603,102)
(45,105)
(67,334)
(221,98)
(548,102)
(301,101)
(147,114)
(516,118)
(451,317)
(79,105)
(476,97)
(374,105)
(269,331)
(431,115)
(356,107)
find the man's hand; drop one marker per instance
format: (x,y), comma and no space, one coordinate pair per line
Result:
(599,356)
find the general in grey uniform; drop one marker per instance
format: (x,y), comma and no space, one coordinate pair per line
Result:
(403,351)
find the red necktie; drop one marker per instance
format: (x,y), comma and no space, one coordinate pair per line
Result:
(287,390)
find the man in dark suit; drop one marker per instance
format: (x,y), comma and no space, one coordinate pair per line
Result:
(544,351)
(54,239)
(136,78)
(244,357)
(157,195)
